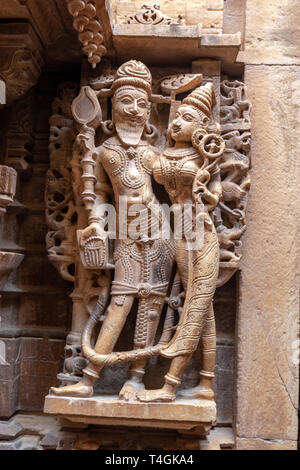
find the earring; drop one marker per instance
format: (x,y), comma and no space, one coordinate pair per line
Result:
(150,132)
(108,127)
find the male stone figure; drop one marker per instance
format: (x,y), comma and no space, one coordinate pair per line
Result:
(143,265)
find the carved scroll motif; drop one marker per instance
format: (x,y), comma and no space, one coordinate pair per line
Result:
(23,72)
(230,214)
(21,58)
(150,15)
(61,214)
(89,29)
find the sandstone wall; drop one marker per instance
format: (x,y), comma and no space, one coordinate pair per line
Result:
(268,324)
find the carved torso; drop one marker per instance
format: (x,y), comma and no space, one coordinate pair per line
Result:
(129,170)
(176,170)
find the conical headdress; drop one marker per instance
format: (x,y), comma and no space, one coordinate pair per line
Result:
(133,73)
(203,98)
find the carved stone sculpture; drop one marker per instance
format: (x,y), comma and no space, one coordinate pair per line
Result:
(199,172)
(234,166)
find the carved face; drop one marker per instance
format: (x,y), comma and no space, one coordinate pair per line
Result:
(187,121)
(130,113)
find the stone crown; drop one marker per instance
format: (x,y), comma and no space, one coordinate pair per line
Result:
(202,98)
(133,73)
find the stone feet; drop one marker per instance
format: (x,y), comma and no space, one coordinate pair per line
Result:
(130,389)
(76,390)
(160,395)
(199,392)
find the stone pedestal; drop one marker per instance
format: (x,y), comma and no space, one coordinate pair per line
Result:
(185,416)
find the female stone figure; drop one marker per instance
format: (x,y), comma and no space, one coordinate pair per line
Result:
(190,174)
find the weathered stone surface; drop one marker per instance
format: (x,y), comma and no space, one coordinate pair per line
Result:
(224,383)
(29,432)
(181,414)
(10,358)
(34,424)
(234,17)
(22,443)
(173,44)
(268,366)
(218,439)
(38,312)
(261,444)
(35,271)
(195,12)
(39,367)
(8,263)
(272,32)
(8,397)
(9,429)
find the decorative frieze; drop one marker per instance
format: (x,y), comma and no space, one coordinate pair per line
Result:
(150,15)
(235,165)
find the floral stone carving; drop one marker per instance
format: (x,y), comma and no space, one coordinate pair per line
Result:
(150,15)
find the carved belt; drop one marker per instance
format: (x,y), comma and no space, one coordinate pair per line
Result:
(143,290)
